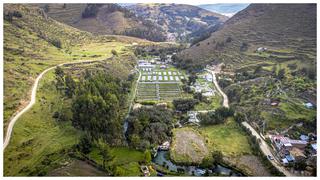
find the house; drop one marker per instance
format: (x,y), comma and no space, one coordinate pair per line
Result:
(165,146)
(145,170)
(284,161)
(209,77)
(163,66)
(308,105)
(261,49)
(314,148)
(304,137)
(193,117)
(290,158)
(285,143)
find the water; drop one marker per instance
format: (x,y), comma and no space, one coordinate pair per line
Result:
(162,158)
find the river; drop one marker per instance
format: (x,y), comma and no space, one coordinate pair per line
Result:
(162,159)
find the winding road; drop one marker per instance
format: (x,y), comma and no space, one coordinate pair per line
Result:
(32,100)
(263,145)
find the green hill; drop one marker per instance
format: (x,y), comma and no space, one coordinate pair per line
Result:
(277,27)
(33,42)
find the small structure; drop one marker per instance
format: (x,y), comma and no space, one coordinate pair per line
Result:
(304,137)
(163,66)
(290,158)
(145,170)
(314,148)
(261,49)
(165,146)
(308,105)
(193,117)
(284,161)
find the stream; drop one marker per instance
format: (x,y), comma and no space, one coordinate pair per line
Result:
(162,158)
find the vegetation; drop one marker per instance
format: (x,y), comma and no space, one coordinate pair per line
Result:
(184,105)
(228,138)
(149,127)
(218,116)
(96,107)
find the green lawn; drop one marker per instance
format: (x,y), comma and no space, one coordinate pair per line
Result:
(124,158)
(228,138)
(36,135)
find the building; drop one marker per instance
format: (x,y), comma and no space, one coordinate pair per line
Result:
(308,105)
(304,137)
(314,148)
(261,49)
(285,143)
(165,146)
(193,117)
(145,170)
(145,65)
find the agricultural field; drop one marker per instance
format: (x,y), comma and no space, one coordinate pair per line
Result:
(159,84)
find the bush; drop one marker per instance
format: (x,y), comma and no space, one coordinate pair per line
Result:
(55,42)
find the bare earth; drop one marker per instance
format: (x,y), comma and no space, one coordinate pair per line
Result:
(188,146)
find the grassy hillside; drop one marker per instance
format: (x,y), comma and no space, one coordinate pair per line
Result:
(33,42)
(273,26)
(103,19)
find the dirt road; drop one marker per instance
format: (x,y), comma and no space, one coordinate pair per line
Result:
(266,150)
(32,101)
(225,102)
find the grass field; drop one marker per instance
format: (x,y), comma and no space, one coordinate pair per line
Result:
(227,138)
(124,158)
(37,136)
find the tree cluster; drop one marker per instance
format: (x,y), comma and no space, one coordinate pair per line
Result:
(184,105)
(219,116)
(96,107)
(149,126)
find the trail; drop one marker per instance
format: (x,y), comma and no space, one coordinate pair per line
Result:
(32,101)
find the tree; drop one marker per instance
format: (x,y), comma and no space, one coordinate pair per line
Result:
(147,156)
(192,79)
(85,145)
(59,78)
(217,157)
(281,74)
(70,86)
(198,96)
(114,52)
(163,57)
